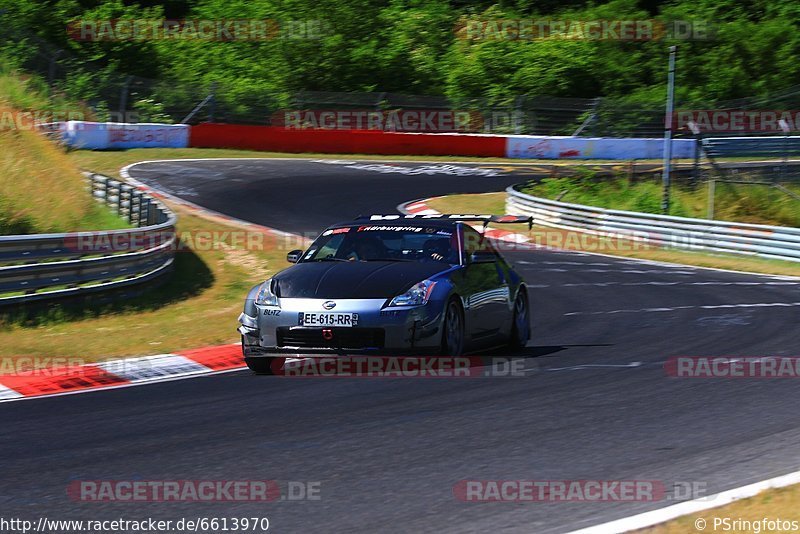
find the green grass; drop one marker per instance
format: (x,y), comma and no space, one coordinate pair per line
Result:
(30,93)
(41,189)
(771,504)
(748,203)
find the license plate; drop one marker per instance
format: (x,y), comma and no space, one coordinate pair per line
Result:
(328,319)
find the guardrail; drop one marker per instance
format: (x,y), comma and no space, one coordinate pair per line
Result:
(777,242)
(53,266)
(776,146)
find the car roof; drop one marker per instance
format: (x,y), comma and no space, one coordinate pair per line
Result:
(424,223)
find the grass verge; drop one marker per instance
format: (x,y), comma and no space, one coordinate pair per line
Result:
(198,306)
(495,203)
(42,190)
(780,503)
(110,161)
(755,203)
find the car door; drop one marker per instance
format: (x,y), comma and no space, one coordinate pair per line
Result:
(484,287)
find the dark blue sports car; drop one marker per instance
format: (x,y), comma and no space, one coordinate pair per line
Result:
(404,284)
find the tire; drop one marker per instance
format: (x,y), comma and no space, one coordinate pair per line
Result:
(521,321)
(453,329)
(262,365)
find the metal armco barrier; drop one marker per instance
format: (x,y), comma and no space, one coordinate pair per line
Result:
(777,242)
(53,266)
(776,146)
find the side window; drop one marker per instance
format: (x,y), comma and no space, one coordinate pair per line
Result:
(474,242)
(331,247)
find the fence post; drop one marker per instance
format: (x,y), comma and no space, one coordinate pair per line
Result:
(123,98)
(212,102)
(712,191)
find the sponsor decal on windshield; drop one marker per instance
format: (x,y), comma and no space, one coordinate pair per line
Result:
(390,228)
(335,231)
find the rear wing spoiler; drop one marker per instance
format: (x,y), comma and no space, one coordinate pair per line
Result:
(485,219)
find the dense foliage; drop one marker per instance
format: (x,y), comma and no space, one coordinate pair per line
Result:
(409,46)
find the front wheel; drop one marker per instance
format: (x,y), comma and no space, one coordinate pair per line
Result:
(521,326)
(263,365)
(453,335)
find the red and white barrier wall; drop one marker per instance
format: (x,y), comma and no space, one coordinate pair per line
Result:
(93,135)
(277,139)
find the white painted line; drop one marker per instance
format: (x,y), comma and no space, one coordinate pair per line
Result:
(706,307)
(662,515)
(585,366)
(7,393)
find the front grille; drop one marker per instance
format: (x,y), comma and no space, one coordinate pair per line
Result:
(343,338)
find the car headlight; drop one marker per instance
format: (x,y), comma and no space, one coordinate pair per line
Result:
(416,296)
(265,296)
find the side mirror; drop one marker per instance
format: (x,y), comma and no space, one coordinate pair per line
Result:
(482,256)
(294,256)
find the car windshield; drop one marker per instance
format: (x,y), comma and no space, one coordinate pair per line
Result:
(385,243)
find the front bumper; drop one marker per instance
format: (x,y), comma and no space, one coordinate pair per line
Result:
(407,329)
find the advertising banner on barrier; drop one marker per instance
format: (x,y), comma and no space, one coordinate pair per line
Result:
(553,147)
(108,135)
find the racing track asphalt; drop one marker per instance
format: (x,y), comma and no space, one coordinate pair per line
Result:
(595,402)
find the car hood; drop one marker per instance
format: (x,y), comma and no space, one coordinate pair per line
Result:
(353,280)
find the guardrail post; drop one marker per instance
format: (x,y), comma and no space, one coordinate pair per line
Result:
(144,210)
(133,210)
(119,199)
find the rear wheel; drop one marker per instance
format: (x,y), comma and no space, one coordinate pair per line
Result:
(453,335)
(521,326)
